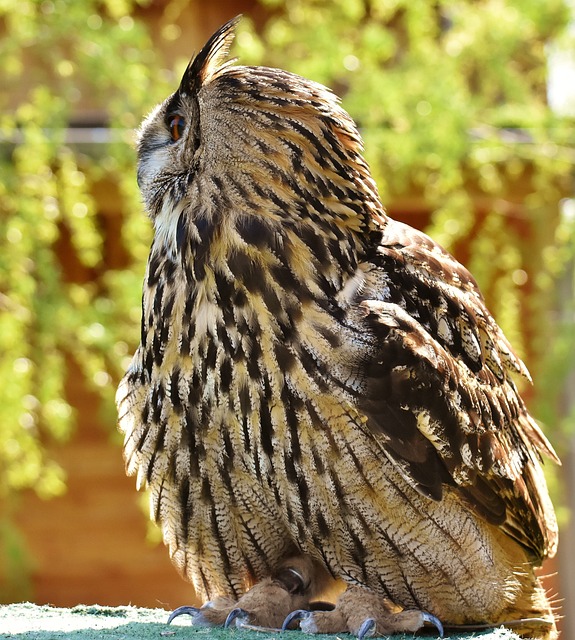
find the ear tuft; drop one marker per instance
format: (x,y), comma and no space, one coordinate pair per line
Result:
(211,60)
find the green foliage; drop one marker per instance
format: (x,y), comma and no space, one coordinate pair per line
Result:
(450,98)
(60,56)
(554,402)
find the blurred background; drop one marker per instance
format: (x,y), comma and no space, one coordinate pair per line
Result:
(467,109)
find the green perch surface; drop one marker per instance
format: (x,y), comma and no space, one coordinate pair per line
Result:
(27,621)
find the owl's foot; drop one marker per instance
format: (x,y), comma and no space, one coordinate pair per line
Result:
(364,614)
(266,604)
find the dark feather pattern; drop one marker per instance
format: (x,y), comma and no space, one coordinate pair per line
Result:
(317,383)
(210,61)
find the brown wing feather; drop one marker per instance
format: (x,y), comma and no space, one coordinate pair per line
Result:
(439,392)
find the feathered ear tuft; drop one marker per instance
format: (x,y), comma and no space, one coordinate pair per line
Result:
(211,60)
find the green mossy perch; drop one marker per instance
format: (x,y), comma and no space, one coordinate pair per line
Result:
(32,622)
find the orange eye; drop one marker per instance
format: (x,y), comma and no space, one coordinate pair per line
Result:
(176,126)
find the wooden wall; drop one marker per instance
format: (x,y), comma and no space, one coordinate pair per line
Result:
(90,545)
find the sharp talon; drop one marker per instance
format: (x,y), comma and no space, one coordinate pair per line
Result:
(238,614)
(367,629)
(297,615)
(427,617)
(191,611)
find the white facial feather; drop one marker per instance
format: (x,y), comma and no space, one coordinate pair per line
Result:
(166,225)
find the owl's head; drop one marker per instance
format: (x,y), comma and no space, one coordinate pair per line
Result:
(236,141)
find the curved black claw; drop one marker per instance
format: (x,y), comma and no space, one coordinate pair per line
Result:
(191,611)
(367,629)
(297,615)
(428,617)
(238,615)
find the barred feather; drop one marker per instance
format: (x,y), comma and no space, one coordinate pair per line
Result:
(313,376)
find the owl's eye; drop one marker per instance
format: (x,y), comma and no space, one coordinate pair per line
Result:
(176,125)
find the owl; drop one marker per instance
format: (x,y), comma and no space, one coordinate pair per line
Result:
(322,408)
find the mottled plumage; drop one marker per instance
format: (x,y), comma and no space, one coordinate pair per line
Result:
(320,395)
